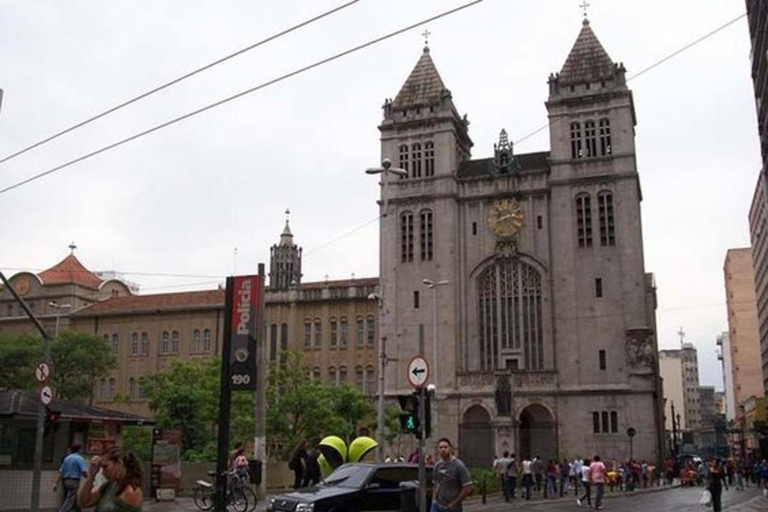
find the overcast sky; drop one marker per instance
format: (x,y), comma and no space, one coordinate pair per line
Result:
(180,200)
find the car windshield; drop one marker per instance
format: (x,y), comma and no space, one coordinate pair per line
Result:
(349,475)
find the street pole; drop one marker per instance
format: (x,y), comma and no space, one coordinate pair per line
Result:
(385,170)
(433,285)
(422,468)
(260,400)
(380,412)
(38,463)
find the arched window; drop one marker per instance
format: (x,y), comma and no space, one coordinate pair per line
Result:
(370,381)
(605,215)
(584,220)
(342,376)
(370,331)
(576,150)
(144,343)
(283,345)
(416,160)
(175,342)
(604,417)
(429,159)
(426,232)
(332,376)
(403,159)
(360,332)
(115,344)
(273,342)
(103,389)
(307,333)
(112,388)
(359,379)
(605,136)
(134,344)
(406,237)
(132,388)
(165,345)
(590,138)
(316,375)
(196,341)
(510,314)
(318,333)
(207,340)
(343,333)
(334,333)
(614,422)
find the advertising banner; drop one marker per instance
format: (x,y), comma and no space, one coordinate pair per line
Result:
(244,294)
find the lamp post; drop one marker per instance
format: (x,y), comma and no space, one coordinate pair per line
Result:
(433,285)
(385,170)
(58,307)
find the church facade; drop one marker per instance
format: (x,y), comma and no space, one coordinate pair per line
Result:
(543,342)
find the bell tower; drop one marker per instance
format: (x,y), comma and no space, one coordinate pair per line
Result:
(285,261)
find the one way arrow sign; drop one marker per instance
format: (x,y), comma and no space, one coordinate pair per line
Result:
(418,371)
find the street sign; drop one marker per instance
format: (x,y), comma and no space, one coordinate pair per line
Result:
(42,372)
(418,371)
(46,395)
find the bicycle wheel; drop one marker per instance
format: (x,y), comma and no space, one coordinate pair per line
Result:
(204,498)
(250,496)
(237,501)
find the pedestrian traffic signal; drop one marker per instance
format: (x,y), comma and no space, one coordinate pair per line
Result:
(409,415)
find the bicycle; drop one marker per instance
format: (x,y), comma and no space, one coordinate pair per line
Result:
(239,498)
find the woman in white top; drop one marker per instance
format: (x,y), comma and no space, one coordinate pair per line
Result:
(585,482)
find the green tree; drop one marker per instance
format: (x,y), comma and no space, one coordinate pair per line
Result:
(79,361)
(18,357)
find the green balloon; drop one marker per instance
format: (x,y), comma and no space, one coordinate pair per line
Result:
(361,447)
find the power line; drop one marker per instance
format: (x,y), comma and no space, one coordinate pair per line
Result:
(236,96)
(175,81)
(655,64)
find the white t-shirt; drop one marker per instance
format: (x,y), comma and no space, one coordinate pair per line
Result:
(585,473)
(526,467)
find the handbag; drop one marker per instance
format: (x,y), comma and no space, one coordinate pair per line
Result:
(706,499)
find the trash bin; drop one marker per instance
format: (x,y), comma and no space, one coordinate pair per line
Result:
(254,468)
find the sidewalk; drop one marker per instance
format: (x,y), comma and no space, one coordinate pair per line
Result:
(474,503)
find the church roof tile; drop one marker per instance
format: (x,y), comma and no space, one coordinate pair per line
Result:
(588,60)
(423,87)
(70,270)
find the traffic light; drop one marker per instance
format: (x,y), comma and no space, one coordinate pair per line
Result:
(409,414)
(51,419)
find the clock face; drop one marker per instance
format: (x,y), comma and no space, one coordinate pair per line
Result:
(505,218)
(22,285)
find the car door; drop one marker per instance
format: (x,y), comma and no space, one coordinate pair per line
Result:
(383,491)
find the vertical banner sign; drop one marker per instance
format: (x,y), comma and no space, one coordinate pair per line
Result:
(245,312)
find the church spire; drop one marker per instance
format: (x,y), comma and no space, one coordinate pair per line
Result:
(285,260)
(588,60)
(423,88)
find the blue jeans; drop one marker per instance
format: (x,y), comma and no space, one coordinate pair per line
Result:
(436,507)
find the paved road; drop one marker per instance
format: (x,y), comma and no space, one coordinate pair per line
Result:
(656,500)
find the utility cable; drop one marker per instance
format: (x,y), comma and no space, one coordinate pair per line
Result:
(174,82)
(236,96)
(655,64)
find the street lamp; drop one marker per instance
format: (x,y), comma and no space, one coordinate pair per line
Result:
(433,285)
(58,307)
(386,168)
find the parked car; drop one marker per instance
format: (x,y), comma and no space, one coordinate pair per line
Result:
(359,487)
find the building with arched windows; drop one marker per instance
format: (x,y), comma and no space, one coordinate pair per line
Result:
(544,340)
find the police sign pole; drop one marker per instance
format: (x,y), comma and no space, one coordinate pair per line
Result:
(242,320)
(418,372)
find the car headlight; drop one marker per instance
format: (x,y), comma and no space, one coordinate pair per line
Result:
(271,504)
(305,507)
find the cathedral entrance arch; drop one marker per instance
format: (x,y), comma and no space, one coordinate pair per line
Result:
(537,433)
(476,438)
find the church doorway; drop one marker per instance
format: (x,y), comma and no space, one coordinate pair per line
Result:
(537,433)
(476,438)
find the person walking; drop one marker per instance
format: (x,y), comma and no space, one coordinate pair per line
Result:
(73,468)
(538,473)
(500,467)
(597,480)
(312,471)
(512,475)
(527,477)
(298,463)
(715,478)
(452,481)
(122,489)
(565,473)
(585,482)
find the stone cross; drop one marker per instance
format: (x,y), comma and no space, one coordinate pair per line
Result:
(584,5)
(426,35)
